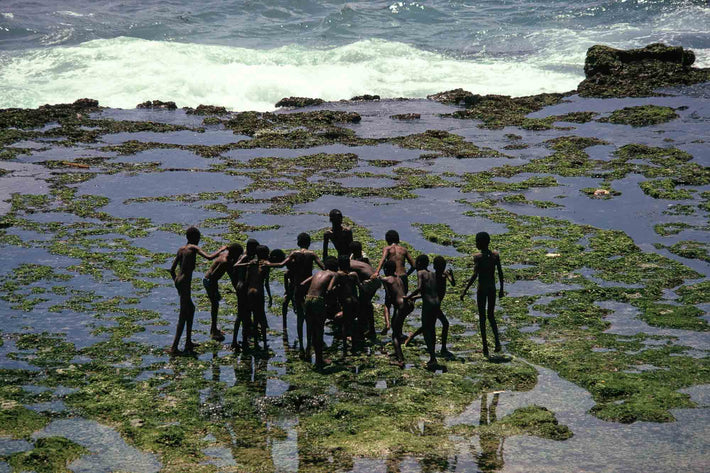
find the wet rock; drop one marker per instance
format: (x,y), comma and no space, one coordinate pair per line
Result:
(456,96)
(638,72)
(365,98)
(406,116)
(498,111)
(157,105)
(206,110)
(298,102)
(33,118)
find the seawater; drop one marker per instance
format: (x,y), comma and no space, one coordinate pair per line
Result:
(247,55)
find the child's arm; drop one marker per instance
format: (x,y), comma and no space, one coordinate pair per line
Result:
(332,284)
(174,266)
(450,276)
(307,281)
(267,286)
(382,261)
(418,289)
(202,253)
(412,267)
(470,281)
(500,275)
(318,261)
(326,238)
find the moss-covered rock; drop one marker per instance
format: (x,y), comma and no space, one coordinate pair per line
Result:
(638,72)
(643,115)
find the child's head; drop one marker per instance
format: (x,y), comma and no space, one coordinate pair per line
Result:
(356,248)
(439,263)
(421,262)
(303,240)
(344,263)
(235,250)
(331,263)
(483,239)
(193,235)
(389,267)
(391,237)
(262,252)
(336,217)
(277,256)
(251,246)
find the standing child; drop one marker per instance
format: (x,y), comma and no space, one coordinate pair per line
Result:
(484,266)
(186,260)
(222,264)
(238,276)
(443,276)
(340,235)
(256,277)
(426,286)
(315,309)
(346,284)
(394,287)
(399,255)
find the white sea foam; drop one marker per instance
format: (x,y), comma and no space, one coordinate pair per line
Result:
(124,71)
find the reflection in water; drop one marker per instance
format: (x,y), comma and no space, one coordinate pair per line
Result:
(491,456)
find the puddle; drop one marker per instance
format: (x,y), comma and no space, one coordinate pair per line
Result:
(109,452)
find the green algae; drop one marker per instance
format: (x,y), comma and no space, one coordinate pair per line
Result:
(689,249)
(535,420)
(644,115)
(695,293)
(444,142)
(673,228)
(20,422)
(49,455)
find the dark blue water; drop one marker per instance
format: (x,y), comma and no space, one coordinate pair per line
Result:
(249,54)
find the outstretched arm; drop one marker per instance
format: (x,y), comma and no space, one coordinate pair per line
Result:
(202,253)
(307,281)
(412,267)
(267,286)
(450,276)
(318,261)
(418,290)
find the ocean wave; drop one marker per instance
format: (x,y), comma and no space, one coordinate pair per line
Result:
(122,72)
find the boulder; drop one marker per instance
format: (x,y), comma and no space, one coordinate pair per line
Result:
(298,102)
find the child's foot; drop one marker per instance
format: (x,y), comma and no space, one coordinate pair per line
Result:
(498,349)
(447,354)
(173,352)
(409,339)
(217,336)
(486,354)
(235,346)
(385,330)
(432,364)
(189,349)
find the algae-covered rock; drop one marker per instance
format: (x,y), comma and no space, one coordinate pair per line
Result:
(206,110)
(298,102)
(455,96)
(365,98)
(37,117)
(644,115)
(498,111)
(157,105)
(406,116)
(638,72)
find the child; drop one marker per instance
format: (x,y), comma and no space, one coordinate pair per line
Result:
(340,235)
(399,254)
(426,286)
(394,287)
(256,276)
(186,259)
(345,284)
(484,266)
(238,276)
(442,276)
(356,253)
(300,267)
(222,263)
(366,316)
(314,307)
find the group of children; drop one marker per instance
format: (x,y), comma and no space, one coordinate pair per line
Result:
(341,291)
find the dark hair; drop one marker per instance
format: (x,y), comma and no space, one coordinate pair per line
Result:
(193,235)
(277,256)
(483,238)
(303,240)
(355,247)
(439,263)
(389,267)
(344,263)
(421,262)
(262,252)
(334,214)
(391,237)
(251,243)
(331,263)
(235,250)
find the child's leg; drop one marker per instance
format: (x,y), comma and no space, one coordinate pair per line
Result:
(413,335)
(444,332)
(481,298)
(178,330)
(428,327)
(190,316)
(397,323)
(491,318)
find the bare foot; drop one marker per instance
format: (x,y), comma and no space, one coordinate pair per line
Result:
(447,354)
(217,336)
(173,352)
